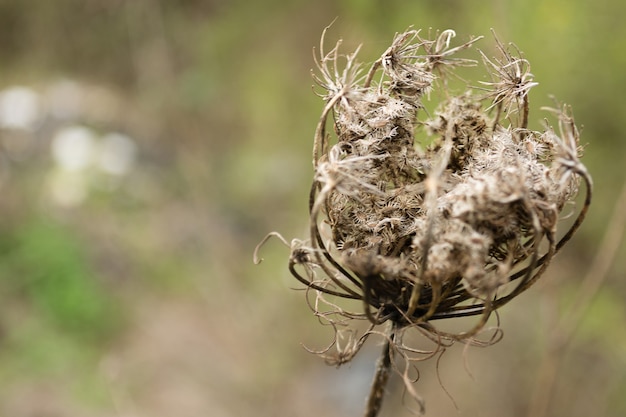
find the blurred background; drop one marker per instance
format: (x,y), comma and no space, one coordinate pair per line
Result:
(147,146)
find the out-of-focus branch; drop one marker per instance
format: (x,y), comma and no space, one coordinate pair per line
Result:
(570,321)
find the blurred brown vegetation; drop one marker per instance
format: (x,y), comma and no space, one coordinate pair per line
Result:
(132,292)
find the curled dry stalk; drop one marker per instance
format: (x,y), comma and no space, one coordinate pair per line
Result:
(420,232)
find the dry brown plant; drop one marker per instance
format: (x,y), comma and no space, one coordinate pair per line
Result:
(419,231)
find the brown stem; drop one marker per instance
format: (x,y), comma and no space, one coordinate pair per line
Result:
(370,74)
(383,370)
(525,111)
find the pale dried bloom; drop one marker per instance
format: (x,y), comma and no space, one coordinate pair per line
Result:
(422,233)
(511,81)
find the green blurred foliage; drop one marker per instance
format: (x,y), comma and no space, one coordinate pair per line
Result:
(46,267)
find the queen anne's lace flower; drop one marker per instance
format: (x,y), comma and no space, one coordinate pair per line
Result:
(419,232)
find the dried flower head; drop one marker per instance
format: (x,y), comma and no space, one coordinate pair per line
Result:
(419,233)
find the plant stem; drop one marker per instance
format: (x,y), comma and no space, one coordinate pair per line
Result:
(383,369)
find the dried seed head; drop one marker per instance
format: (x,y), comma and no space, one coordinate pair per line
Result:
(435,233)
(420,232)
